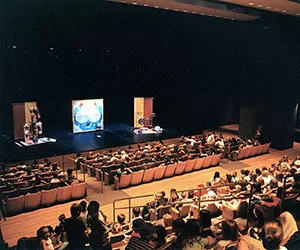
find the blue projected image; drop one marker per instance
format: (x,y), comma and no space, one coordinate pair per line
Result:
(87,115)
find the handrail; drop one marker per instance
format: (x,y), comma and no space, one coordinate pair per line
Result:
(129,207)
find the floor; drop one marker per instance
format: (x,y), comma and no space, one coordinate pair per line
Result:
(26,224)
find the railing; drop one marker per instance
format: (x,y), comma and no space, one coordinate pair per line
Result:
(129,206)
(84,166)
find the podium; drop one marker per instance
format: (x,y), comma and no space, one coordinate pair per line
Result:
(21,115)
(143,112)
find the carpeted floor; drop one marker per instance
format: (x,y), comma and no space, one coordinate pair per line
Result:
(234,165)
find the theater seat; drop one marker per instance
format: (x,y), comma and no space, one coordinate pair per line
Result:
(180,167)
(13,206)
(148,175)
(48,197)
(170,170)
(64,194)
(199,163)
(79,190)
(159,172)
(137,177)
(216,160)
(190,165)
(207,161)
(123,181)
(32,201)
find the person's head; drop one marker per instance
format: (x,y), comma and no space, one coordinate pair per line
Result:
(75,210)
(93,209)
(58,230)
(167,219)
(147,231)
(136,211)
(190,194)
(191,231)
(121,218)
(159,236)
(69,171)
(216,175)
(205,218)
(258,171)
(62,218)
(43,233)
(137,224)
(273,235)
(83,205)
(55,175)
(230,230)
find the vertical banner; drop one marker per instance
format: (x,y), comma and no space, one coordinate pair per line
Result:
(138,112)
(143,109)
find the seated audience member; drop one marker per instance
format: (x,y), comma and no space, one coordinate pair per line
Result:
(190,237)
(55,179)
(56,242)
(117,227)
(136,214)
(230,234)
(75,229)
(216,179)
(97,236)
(273,236)
(44,236)
(83,212)
(158,239)
(205,223)
(160,198)
(70,177)
(146,232)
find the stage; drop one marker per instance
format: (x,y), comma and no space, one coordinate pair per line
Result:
(67,142)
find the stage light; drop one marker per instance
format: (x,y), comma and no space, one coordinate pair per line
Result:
(51,49)
(14,46)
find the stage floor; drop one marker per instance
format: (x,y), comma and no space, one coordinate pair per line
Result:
(67,142)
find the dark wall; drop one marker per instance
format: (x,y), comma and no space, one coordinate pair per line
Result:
(197,68)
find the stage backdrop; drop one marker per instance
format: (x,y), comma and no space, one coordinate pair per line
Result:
(143,109)
(87,115)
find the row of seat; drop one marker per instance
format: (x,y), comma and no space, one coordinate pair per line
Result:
(165,171)
(251,151)
(31,201)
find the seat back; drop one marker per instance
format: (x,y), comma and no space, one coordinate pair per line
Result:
(260,149)
(162,210)
(137,177)
(32,201)
(207,161)
(254,151)
(159,172)
(190,165)
(247,151)
(199,163)
(48,197)
(148,175)
(266,148)
(64,194)
(170,169)
(125,180)
(180,167)
(79,190)
(184,211)
(216,159)
(13,206)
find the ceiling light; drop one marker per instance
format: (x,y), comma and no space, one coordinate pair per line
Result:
(298,14)
(134,3)
(155,6)
(260,5)
(268,7)
(284,11)
(251,3)
(145,5)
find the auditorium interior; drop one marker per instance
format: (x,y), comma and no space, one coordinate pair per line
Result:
(223,77)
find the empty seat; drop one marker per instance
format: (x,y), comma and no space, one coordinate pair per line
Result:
(199,163)
(32,201)
(180,167)
(190,165)
(13,205)
(137,177)
(79,190)
(64,193)
(159,172)
(207,161)
(170,169)
(123,181)
(48,197)
(216,159)
(148,175)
